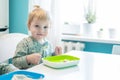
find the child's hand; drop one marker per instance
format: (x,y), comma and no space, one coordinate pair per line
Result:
(58,50)
(34,58)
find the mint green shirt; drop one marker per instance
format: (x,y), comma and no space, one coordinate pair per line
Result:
(29,46)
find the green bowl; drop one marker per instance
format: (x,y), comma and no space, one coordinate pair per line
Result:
(61,61)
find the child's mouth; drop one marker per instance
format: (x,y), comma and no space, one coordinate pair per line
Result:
(40,34)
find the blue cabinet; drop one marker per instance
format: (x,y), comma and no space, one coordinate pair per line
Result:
(18,14)
(96,46)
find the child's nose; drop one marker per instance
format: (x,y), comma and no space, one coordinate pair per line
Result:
(42,30)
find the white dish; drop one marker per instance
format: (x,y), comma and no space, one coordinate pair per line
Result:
(61,61)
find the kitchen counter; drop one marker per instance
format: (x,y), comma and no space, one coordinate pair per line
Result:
(91,39)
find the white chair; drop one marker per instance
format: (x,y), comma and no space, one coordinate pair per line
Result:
(116,49)
(8,43)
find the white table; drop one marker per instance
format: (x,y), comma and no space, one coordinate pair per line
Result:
(92,66)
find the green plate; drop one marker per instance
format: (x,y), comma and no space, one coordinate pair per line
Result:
(61,61)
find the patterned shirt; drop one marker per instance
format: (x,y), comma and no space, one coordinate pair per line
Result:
(6,68)
(29,46)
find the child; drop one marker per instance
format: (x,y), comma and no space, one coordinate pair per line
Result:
(30,50)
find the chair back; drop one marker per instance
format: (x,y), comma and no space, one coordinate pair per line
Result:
(8,43)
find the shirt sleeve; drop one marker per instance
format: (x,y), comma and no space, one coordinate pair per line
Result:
(19,60)
(5,68)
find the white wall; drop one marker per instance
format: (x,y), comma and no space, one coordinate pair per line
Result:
(4,13)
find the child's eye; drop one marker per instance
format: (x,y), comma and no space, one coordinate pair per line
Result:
(45,27)
(36,25)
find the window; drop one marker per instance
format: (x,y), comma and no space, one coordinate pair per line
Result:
(107,14)
(71,11)
(72,15)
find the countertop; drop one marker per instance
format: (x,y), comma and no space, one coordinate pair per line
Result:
(91,39)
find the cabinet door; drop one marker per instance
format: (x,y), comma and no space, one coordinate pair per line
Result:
(4,13)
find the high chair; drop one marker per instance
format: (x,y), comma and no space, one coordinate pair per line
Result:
(8,43)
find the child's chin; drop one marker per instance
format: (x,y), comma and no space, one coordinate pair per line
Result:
(39,38)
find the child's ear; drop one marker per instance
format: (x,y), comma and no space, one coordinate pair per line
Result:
(29,26)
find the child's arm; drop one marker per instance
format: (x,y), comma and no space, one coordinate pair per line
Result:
(19,60)
(27,61)
(58,50)
(25,57)
(33,58)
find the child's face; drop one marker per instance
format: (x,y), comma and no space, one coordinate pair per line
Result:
(39,29)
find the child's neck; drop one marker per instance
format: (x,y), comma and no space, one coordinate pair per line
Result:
(41,41)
